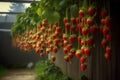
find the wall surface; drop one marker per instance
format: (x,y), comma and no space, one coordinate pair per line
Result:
(11,56)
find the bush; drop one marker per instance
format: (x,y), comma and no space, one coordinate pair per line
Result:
(48,71)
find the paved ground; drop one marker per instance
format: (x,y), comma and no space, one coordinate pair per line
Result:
(19,75)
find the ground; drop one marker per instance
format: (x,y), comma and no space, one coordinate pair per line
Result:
(21,74)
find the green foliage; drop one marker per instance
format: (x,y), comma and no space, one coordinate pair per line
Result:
(53,10)
(2,70)
(48,71)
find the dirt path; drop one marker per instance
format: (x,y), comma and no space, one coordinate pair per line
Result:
(19,75)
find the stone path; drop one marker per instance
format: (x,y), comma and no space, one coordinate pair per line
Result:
(19,75)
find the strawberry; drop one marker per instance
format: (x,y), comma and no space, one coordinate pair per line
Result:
(82,59)
(41,55)
(81,13)
(90,21)
(91,11)
(72,50)
(103,43)
(107,56)
(65,20)
(92,29)
(56,23)
(83,49)
(65,42)
(69,46)
(83,67)
(108,50)
(82,43)
(66,58)
(67,26)
(78,53)
(37,50)
(43,29)
(58,29)
(53,58)
(49,41)
(47,51)
(72,38)
(90,41)
(107,20)
(73,28)
(55,49)
(108,37)
(65,36)
(87,51)
(51,47)
(56,41)
(73,21)
(103,13)
(65,50)
(70,55)
(84,31)
(104,31)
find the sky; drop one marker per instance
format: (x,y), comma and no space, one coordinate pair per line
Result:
(4,6)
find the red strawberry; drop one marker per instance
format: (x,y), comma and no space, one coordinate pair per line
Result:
(43,29)
(65,51)
(55,49)
(72,50)
(58,29)
(90,21)
(78,53)
(81,13)
(87,51)
(73,28)
(91,11)
(65,20)
(53,58)
(82,59)
(49,41)
(69,46)
(107,56)
(103,13)
(70,55)
(65,43)
(107,20)
(67,26)
(37,50)
(83,49)
(82,43)
(104,31)
(72,38)
(84,31)
(47,51)
(41,55)
(108,37)
(83,67)
(90,41)
(56,41)
(108,50)
(103,43)
(65,36)
(73,21)
(66,58)
(51,47)
(92,29)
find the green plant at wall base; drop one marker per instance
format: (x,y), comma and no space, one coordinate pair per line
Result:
(46,70)
(2,70)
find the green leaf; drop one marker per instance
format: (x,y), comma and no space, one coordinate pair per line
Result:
(39,11)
